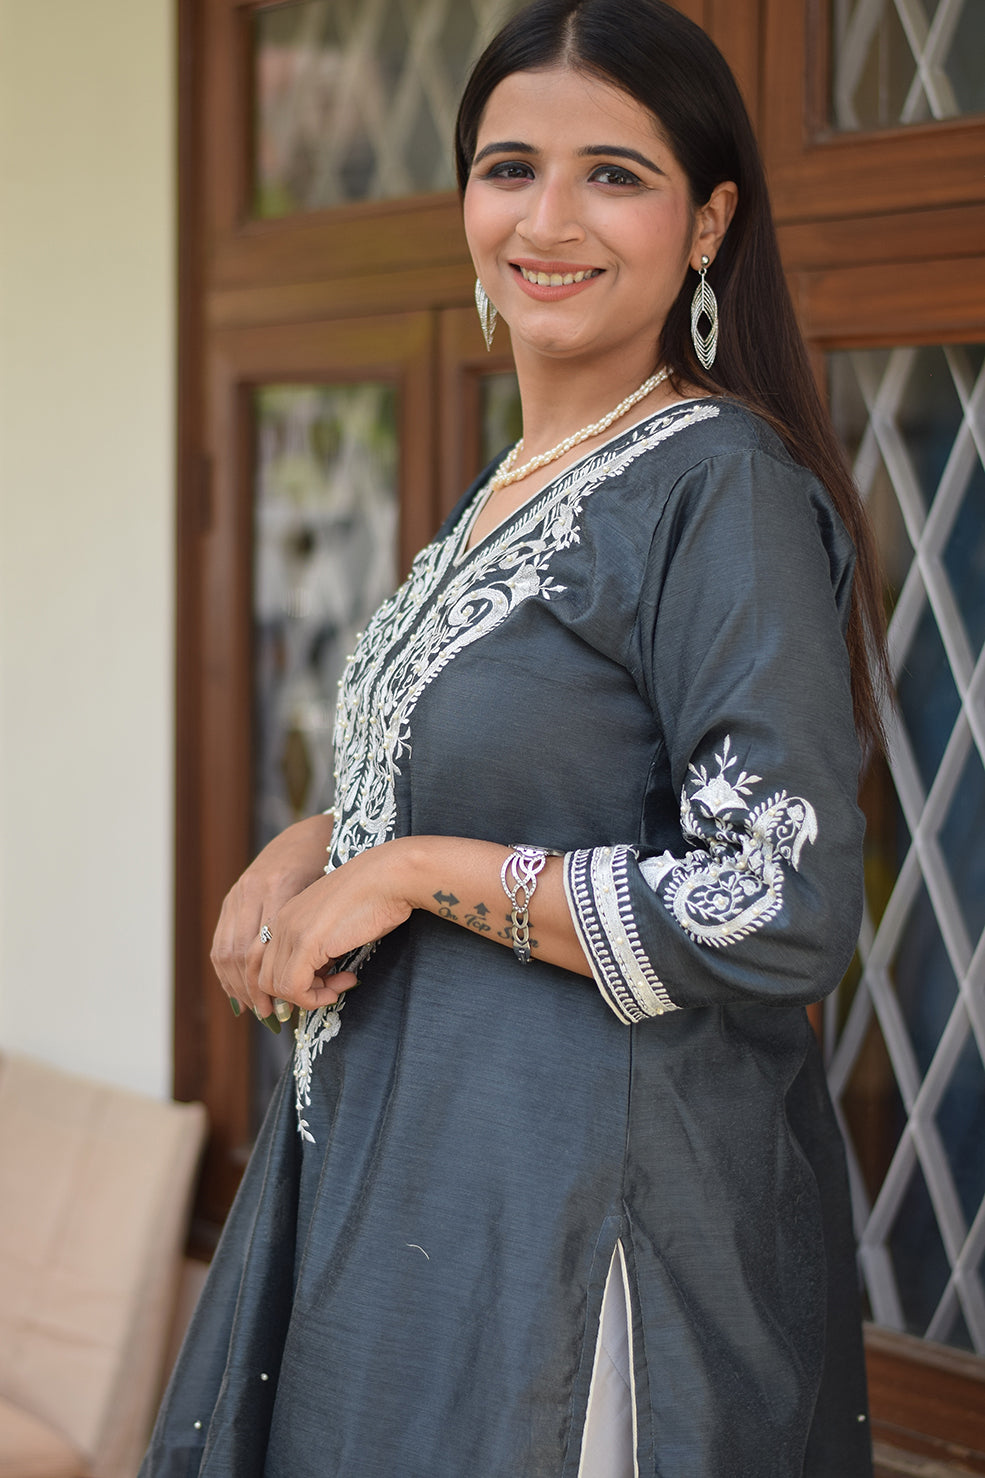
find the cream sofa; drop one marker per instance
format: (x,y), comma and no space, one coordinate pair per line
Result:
(95,1185)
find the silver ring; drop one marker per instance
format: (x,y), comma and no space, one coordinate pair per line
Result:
(265,934)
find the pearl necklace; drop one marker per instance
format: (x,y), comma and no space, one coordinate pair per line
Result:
(509,472)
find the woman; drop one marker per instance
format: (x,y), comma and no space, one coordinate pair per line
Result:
(565,1194)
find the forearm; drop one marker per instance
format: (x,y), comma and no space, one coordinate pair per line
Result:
(458,879)
(297,855)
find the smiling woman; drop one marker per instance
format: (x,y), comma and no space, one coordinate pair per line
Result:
(595,845)
(581,256)
(628,236)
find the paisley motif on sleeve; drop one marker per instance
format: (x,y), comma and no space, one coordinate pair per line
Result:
(729,885)
(732,882)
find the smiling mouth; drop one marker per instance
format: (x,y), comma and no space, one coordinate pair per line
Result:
(558,279)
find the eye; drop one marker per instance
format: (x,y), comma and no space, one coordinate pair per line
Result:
(509,170)
(614,174)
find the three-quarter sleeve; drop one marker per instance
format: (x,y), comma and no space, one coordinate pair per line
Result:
(754,894)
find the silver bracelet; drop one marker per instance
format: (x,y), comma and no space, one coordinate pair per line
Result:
(522,866)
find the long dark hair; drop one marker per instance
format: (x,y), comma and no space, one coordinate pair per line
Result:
(672,68)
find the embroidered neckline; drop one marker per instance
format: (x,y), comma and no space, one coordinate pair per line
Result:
(462,530)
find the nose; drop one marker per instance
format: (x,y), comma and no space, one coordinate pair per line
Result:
(551,217)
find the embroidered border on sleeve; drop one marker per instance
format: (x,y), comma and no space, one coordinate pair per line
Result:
(597,888)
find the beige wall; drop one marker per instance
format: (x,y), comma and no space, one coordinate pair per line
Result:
(87,314)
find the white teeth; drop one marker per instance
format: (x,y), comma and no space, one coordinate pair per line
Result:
(557,279)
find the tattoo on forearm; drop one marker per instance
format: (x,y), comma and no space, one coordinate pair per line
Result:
(475,917)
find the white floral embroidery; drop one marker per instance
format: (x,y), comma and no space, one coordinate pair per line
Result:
(731,884)
(449,600)
(315,1030)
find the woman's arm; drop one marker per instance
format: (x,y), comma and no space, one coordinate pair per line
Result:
(739,649)
(453,878)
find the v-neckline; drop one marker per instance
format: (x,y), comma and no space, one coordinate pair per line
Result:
(472,513)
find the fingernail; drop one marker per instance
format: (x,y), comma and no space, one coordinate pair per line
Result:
(283,1010)
(234,1005)
(272,1024)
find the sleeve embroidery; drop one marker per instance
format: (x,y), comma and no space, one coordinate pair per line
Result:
(596,884)
(729,885)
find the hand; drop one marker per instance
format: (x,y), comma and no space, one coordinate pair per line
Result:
(283,869)
(352,906)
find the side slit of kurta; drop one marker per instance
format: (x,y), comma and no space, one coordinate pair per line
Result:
(609,1448)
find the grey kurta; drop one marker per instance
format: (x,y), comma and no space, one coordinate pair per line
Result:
(644,668)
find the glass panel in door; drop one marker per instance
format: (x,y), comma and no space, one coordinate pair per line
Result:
(356,99)
(905,1036)
(906,61)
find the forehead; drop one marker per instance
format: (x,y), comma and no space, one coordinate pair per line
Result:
(552,104)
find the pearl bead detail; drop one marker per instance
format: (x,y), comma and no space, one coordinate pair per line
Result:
(509,472)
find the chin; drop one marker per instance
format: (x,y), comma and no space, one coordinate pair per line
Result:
(556,346)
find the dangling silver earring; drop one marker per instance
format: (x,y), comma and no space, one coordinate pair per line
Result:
(705,302)
(487,314)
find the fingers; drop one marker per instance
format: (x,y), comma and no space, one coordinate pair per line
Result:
(264,955)
(226,954)
(287,972)
(238,949)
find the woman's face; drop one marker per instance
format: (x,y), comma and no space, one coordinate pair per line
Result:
(578,217)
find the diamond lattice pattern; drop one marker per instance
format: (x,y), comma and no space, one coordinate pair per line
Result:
(905,1036)
(356,99)
(906,61)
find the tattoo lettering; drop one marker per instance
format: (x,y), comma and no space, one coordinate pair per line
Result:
(477,919)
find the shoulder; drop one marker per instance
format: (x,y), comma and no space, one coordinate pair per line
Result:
(688,436)
(736,479)
(720,504)
(715,463)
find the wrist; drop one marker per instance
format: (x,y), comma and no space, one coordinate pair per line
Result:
(410,860)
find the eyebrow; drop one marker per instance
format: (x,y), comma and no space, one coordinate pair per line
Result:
(590,151)
(618,151)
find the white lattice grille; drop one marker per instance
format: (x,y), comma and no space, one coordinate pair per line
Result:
(906,61)
(356,99)
(905,1038)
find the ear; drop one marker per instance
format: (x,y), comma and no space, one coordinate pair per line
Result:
(712,221)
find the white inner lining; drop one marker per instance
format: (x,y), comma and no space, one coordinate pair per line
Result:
(608,1448)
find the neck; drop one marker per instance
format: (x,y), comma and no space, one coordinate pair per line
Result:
(558,397)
